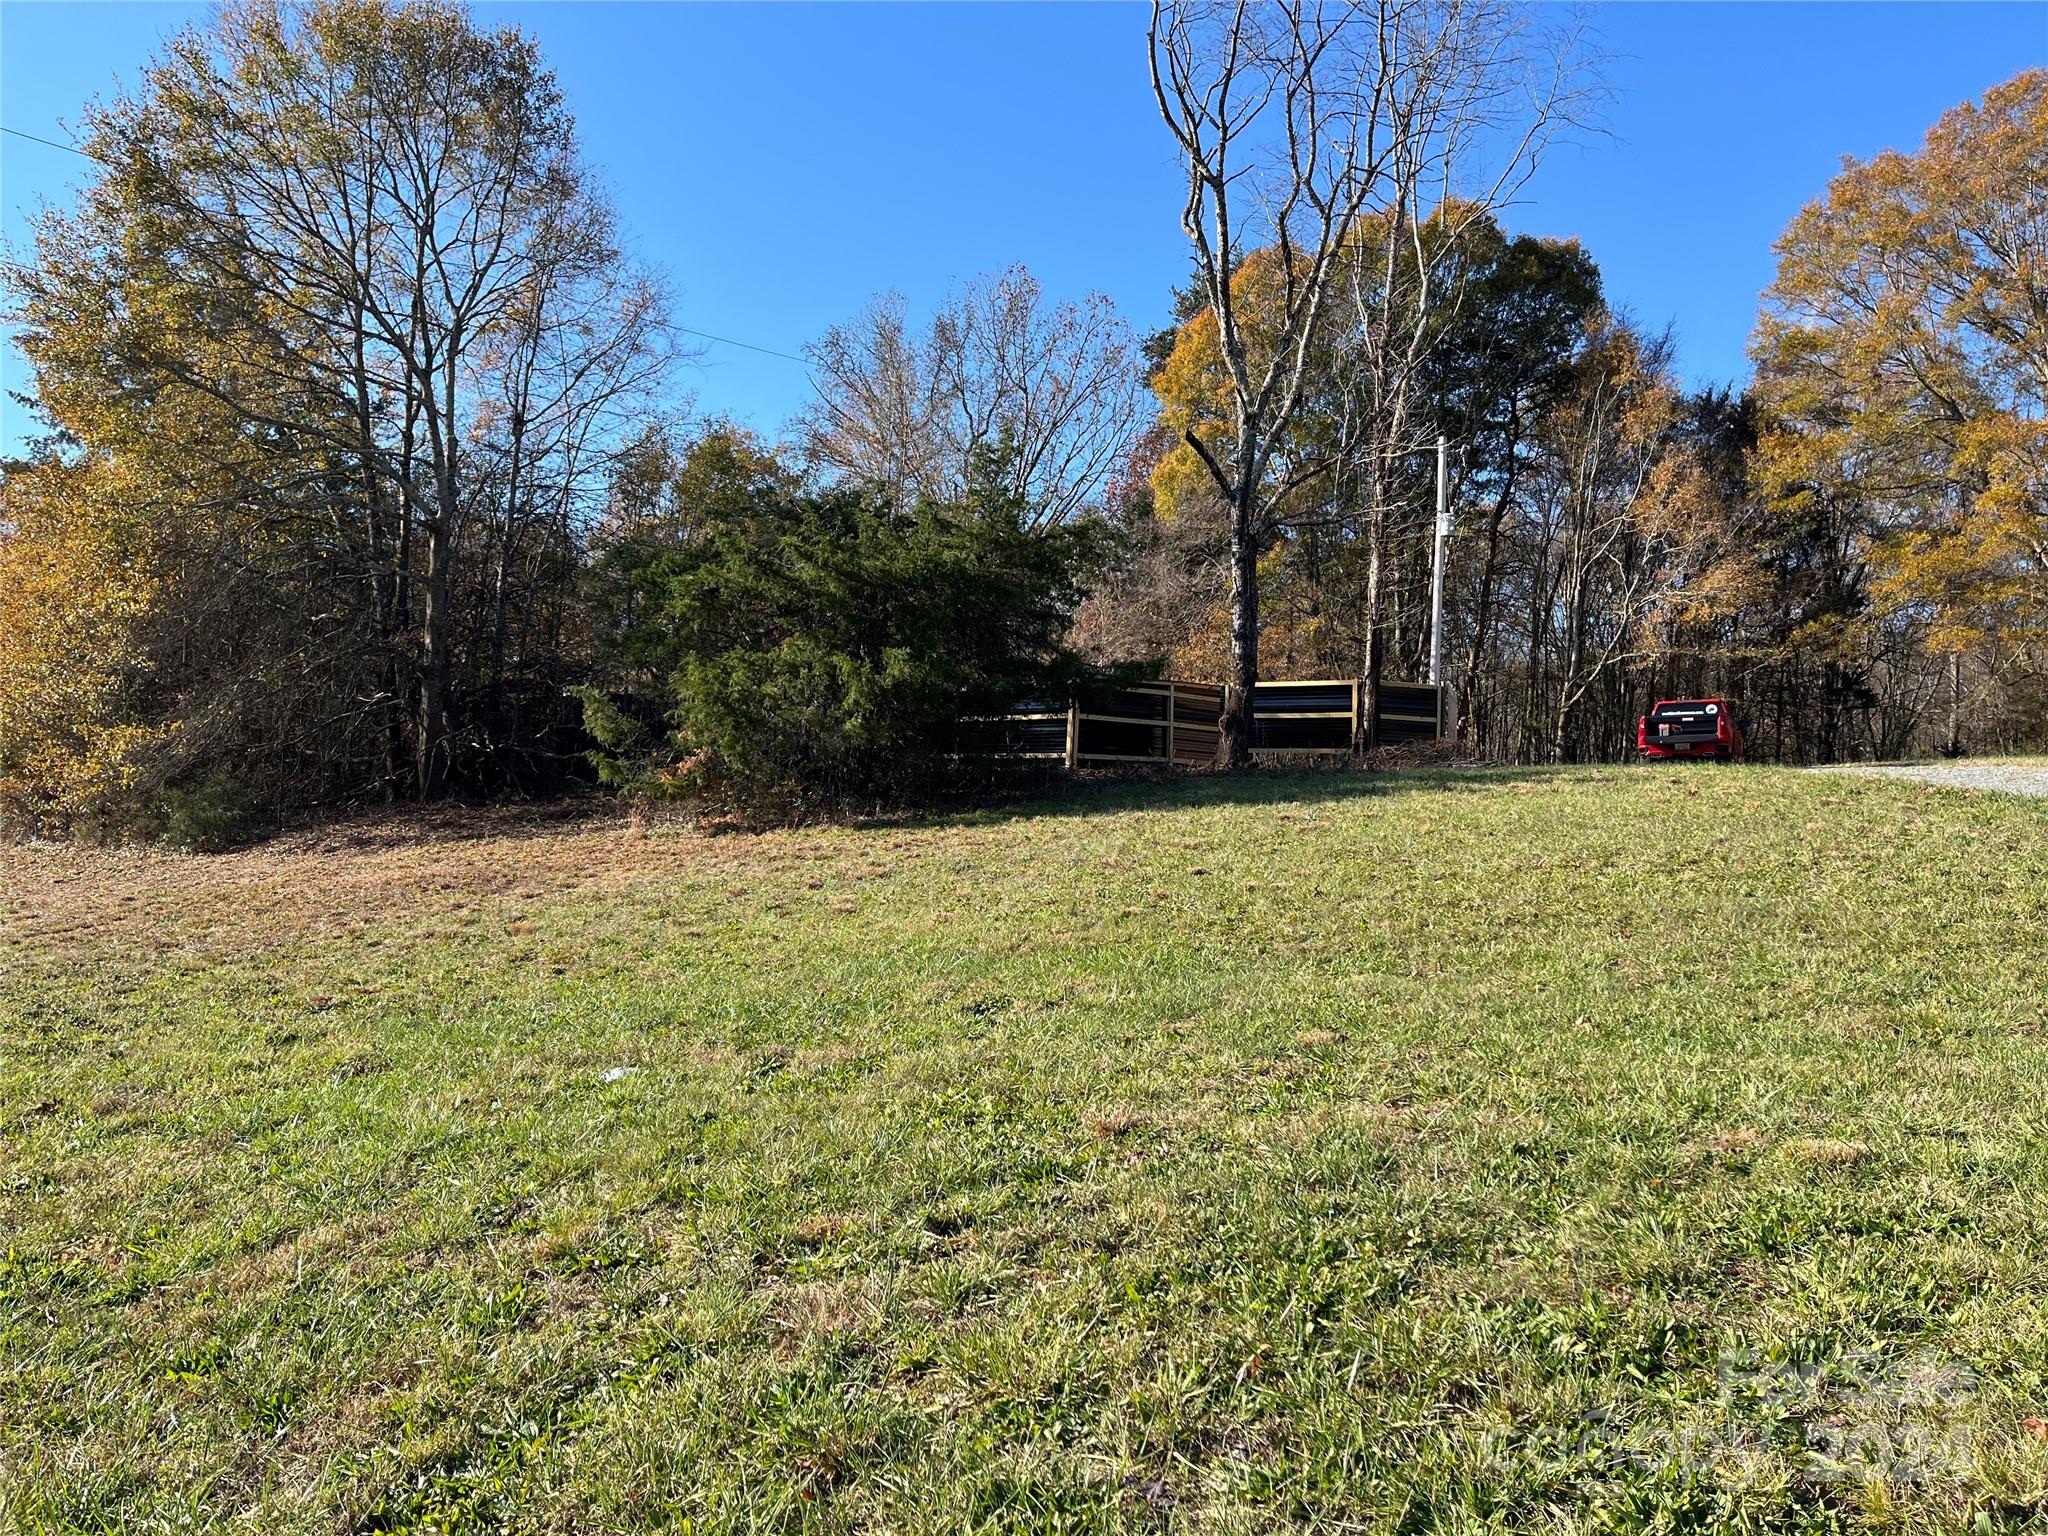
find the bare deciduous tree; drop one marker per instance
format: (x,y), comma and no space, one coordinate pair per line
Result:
(1318,132)
(1628,527)
(1052,390)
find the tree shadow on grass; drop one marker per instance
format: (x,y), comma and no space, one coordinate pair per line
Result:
(387,829)
(1120,794)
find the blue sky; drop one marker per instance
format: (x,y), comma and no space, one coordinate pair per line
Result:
(783,162)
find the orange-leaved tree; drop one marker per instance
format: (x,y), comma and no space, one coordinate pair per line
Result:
(1903,358)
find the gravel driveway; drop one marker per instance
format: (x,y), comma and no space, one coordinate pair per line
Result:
(2006,778)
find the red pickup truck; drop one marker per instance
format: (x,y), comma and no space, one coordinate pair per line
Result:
(1691,728)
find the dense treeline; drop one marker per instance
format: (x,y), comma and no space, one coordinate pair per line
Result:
(343,332)
(364,478)
(1856,548)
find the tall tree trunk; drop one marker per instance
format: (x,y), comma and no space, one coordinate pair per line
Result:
(1569,687)
(1234,741)
(390,636)
(1953,747)
(1542,602)
(430,764)
(1365,734)
(1489,572)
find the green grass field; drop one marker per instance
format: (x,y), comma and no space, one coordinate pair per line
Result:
(1594,1150)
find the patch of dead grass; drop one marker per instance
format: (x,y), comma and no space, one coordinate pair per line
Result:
(823,1310)
(819,1230)
(829,1056)
(1825,1151)
(1736,1141)
(1113,1123)
(433,869)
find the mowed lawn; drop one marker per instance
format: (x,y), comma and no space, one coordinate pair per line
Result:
(1497,1151)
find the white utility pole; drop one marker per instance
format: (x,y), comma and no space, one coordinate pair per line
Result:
(1436,575)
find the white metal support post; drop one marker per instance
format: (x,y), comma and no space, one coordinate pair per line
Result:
(1436,576)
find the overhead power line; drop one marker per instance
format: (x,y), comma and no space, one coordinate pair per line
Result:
(36,138)
(787,356)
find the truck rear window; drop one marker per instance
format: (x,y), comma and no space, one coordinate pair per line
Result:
(1671,719)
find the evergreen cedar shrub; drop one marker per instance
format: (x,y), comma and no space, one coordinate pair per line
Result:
(211,816)
(821,650)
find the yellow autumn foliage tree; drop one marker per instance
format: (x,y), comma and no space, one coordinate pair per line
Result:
(78,583)
(1193,385)
(1903,358)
